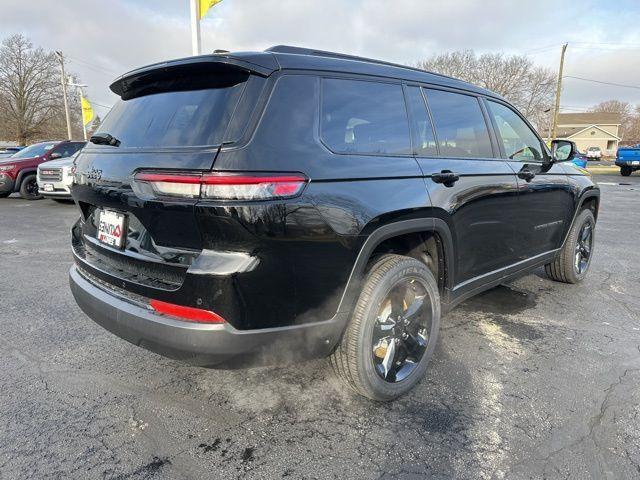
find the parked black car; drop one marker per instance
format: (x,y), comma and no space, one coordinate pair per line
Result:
(271,205)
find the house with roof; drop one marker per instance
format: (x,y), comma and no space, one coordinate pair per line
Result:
(592,129)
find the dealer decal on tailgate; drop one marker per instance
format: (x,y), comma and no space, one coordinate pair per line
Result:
(111,228)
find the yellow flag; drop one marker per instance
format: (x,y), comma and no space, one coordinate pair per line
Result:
(87,111)
(205,5)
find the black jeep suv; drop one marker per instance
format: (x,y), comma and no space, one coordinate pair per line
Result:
(257,206)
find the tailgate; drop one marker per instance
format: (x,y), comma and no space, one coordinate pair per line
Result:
(170,119)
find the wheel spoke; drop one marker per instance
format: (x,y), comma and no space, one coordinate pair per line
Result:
(385,319)
(415,344)
(415,308)
(388,360)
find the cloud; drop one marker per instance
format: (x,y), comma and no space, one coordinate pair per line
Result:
(104,39)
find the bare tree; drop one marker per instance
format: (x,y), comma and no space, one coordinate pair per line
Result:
(516,78)
(629,117)
(632,132)
(30,92)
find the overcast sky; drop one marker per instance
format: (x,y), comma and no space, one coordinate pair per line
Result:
(103,39)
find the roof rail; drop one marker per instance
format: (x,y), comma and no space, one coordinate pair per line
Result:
(323,53)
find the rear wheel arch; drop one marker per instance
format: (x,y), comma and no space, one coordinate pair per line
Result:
(405,236)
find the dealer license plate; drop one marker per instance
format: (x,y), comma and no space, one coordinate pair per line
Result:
(635,162)
(48,187)
(111,227)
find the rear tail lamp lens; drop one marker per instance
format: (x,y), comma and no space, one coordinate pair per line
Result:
(220,186)
(188,314)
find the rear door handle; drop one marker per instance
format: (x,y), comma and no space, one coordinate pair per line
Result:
(526,175)
(446,177)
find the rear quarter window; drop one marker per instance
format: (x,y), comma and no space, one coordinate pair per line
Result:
(364,117)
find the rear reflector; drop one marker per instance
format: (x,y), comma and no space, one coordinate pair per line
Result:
(219,186)
(188,314)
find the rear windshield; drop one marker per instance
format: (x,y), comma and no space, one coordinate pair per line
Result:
(185,118)
(34,150)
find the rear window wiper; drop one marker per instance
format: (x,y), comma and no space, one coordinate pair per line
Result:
(105,139)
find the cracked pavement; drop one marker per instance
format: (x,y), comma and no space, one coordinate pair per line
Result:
(531,380)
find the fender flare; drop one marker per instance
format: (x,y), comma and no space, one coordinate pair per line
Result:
(584,196)
(20,177)
(435,225)
(587,194)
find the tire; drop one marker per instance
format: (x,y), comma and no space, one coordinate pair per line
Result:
(5,194)
(29,188)
(565,267)
(355,359)
(625,171)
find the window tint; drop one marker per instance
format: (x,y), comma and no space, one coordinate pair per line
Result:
(520,143)
(424,142)
(364,117)
(460,125)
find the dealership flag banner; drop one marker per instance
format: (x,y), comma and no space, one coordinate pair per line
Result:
(87,111)
(205,5)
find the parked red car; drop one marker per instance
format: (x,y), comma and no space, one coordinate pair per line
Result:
(18,172)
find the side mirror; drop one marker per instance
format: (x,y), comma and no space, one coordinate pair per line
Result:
(55,156)
(563,150)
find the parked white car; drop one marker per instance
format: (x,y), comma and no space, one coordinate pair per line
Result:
(55,178)
(594,152)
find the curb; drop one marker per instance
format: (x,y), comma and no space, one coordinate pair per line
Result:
(603,169)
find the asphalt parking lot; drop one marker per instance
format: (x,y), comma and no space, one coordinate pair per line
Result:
(531,380)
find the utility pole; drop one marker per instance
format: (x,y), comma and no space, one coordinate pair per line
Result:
(556,109)
(196,43)
(64,93)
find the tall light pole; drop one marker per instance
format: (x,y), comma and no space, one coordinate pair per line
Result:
(556,109)
(64,93)
(80,86)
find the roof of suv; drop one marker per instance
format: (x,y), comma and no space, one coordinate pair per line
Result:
(285,57)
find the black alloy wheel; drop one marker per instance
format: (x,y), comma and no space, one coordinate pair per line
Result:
(583,247)
(401,332)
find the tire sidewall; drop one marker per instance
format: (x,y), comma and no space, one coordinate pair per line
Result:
(583,217)
(23,188)
(377,387)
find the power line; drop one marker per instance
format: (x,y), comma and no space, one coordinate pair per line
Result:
(603,83)
(92,66)
(101,105)
(607,43)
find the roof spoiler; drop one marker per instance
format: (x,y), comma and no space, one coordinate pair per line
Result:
(128,85)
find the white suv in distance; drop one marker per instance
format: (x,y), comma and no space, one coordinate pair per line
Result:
(594,153)
(55,178)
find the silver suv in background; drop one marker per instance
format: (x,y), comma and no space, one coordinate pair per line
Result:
(55,178)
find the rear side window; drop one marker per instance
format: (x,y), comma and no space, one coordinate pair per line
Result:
(364,117)
(519,141)
(174,118)
(460,126)
(423,140)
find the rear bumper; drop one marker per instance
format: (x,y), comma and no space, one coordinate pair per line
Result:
(57,194)
(6,183)
(627,163)
(202,344)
